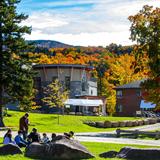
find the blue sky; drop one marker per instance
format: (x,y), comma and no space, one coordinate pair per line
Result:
(82,22)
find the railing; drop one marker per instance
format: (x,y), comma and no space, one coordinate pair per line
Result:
(136,133)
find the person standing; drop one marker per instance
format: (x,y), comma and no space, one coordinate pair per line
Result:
(23,125)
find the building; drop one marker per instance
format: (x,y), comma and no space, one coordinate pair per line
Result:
(76,78)
(129,100)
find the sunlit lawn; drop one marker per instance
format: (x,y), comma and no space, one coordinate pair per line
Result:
(49,122)
(97,148)
(94,148)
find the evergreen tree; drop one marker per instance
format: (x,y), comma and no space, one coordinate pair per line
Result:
(15,68)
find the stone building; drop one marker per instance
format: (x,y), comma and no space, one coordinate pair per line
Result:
(76,78)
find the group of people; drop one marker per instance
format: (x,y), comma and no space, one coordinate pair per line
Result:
(23,139)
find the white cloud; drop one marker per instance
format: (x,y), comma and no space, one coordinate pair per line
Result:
(45,20)
(104,23)
(86,39)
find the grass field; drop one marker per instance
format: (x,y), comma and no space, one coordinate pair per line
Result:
(48,122)
(95,148)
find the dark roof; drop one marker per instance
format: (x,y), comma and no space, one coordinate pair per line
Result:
(39,66)
(135,84)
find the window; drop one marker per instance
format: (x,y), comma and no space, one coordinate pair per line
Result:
(138,92)
(119,108)
(91,92)
(67,82)
(83,86)
(119,93)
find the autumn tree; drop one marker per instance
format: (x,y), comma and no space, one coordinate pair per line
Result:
(55,95)
(101,68)
(145,30)
(15,69)
(119,72)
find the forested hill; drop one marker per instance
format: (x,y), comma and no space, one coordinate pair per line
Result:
(50,44)
(43,46)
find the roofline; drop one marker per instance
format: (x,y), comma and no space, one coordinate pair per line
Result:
(131,85)
(116,88)
(39,66)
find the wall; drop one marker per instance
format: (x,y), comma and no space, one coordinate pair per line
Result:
(76,76)
(130,102)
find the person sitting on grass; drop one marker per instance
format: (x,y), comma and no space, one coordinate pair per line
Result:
(8,132)
(45,139)
(69,135)
(8,138)
(19,140)
(34,136)
(53,137)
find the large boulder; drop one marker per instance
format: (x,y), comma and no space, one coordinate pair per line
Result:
(90,123)
(122,123)
(128,123)
(100,124)
(109,154)
(140,122)
(130,153)
(134,123)
(146,122)
(10,149)
(62,148)
(115,124)
(107,124)
(152,120)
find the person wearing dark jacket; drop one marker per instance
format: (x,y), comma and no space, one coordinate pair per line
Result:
(23,125)
(34,136)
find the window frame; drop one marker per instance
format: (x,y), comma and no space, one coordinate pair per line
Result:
(119,95)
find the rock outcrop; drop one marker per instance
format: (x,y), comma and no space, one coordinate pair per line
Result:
(141,154)
(10,149)
(62,148)
(109,154)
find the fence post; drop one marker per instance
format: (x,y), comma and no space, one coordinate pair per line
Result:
(157,135)
(136,133)
(118,131)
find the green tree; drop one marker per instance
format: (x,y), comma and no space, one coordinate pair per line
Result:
(145,30)
(15,69)
(55,95)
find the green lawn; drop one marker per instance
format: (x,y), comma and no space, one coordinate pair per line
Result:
(95,148)
(48,122)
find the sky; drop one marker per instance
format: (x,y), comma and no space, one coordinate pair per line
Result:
(82,22)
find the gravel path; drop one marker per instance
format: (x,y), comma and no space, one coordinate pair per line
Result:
(109,137)
(119,140)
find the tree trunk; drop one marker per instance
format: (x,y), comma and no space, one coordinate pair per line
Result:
(1,107)
(1,78)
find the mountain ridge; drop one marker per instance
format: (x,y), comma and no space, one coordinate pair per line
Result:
(49,44)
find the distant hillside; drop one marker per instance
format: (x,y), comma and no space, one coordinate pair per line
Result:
(49,44)
(43,46)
